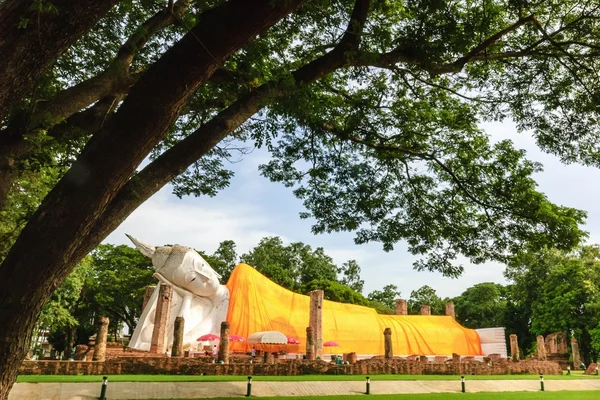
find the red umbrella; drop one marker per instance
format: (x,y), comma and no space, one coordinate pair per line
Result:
(236,338)
(292,340)
(208,338)
(330,343)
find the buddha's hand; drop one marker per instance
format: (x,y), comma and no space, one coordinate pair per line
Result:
(179,290)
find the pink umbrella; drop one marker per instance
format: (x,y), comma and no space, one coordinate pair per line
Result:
(330,343)
(236,338)
(208,338)
(292,340)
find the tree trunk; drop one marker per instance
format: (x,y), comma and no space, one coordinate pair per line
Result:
(179,157)
(70,342)
(31,40)
(43,254)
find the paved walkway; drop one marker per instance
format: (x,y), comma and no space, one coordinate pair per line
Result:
(190,390)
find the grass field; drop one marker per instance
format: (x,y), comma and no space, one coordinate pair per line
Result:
(215,378)
(571,395)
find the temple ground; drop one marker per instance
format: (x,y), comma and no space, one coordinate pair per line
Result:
(579,395)
(309,389)
(299,378)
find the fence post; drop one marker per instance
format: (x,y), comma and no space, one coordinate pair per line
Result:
(249,387)
(103,389)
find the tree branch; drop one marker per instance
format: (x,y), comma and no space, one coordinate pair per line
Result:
(28,48)
(459,64)
(178,158)
(115,80)
(154,24)
(111,156)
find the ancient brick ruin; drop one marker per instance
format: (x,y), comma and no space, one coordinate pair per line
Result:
(241,366)
(116,359)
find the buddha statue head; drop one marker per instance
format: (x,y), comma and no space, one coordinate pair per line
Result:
(182,266)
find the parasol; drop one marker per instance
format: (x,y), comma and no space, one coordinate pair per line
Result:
(208,338)
(236,338)
(267,337)
(330,343)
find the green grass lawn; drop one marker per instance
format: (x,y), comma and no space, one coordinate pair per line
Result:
(571,395)
(229,378)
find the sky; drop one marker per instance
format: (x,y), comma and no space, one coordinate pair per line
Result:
(252,208)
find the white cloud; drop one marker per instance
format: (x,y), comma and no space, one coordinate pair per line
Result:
(162,220)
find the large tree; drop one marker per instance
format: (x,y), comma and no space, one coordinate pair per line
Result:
(425,295)
(560,292)
(482,306)
(292,266)
(368,107)
(387,296)
(117,282)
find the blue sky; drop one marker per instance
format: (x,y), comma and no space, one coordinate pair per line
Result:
(252,208)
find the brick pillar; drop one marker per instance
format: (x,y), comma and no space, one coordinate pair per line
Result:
(551,347)
(576,355)
(541,348)
(514,348)
(425,309)
(310,344)
(562,345)
(177,350)
(224,343)
(269,359)
(100,344)
(316,320)
(387,335)
(160,333)
(450,309)
(401,307)
(147,295)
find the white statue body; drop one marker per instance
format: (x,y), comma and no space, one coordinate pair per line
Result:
(198,296)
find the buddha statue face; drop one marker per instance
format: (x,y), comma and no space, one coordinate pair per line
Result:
(196,275)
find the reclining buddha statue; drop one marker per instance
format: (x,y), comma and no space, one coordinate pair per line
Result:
(198,296)
(252,303)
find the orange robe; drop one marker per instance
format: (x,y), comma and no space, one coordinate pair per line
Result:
(258,304)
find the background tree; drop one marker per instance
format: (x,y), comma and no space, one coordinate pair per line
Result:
(387,296)
(561,292)
(274,260)
(117,282)
(60,317)
(595,342)
(482,306)
(350,271)
(374,125)
(517,320)
(223,260)
(426,295)
(227,254)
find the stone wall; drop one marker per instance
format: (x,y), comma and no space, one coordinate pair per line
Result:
(240,366)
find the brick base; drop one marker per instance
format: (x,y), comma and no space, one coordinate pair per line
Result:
(241,366)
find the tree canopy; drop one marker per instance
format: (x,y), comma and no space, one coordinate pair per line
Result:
(559,292)
(426,295)
(369,108)
(482,306)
